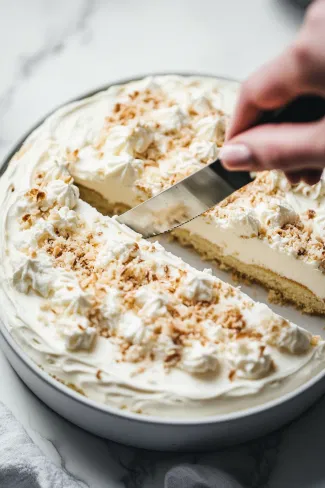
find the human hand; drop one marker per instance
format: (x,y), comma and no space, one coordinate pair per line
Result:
(297,149)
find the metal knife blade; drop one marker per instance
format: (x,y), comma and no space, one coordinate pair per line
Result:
(184,201)
(202,190)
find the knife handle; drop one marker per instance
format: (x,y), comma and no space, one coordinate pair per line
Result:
(306,108)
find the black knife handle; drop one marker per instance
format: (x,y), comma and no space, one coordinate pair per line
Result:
(306,108)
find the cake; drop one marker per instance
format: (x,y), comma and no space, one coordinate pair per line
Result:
(115,317)
(130,142)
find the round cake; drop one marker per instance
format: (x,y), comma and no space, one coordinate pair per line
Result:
(111,315)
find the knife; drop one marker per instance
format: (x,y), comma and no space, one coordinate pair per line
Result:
(195,194)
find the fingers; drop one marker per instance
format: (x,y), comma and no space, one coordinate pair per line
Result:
(294,177)
(290,147)
(272,86)
(311,177)
(298,150)
(299,70)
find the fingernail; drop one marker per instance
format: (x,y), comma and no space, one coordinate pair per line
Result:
(235,154)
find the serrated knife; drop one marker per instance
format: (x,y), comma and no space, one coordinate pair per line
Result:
(197,193)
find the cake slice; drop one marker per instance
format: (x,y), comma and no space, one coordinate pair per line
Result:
(272,233)
(124,322)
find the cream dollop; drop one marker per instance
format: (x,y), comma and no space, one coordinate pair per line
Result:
(61,193)
(111,307)
(33,274)
(197,287)
(164,348)
(205,151)
(132,328)
(69,297)
(277,180)
(244,222)
(172,118)
(199,102)
(250,360)
(57,171)
(211,128)
(140,139)
(31,238)
(294,339)
(64,218)
(276,214)
(214,332)
(128,140)
(113,249)
(77,332)
(199,359)
(152,304)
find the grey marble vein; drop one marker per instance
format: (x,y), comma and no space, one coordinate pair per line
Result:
(147,468)
(56,446)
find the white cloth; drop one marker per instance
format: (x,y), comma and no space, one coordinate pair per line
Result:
(22,464)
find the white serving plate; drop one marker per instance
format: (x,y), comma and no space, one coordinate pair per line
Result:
(170,434)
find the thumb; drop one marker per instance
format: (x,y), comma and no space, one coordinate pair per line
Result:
(289,147)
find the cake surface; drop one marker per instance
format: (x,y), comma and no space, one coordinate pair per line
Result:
(130,142)
(112,315)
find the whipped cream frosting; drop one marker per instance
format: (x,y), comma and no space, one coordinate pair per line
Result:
(112,315)
(134,140)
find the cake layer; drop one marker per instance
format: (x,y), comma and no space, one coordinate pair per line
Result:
(124,322)
(131,141)
(287,290)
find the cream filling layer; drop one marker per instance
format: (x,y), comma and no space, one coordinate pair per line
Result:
(255,251)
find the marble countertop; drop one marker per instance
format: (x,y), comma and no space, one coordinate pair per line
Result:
(52,52)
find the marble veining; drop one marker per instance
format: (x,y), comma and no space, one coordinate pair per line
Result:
(53,51)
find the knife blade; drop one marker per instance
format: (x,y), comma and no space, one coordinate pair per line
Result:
(200,191)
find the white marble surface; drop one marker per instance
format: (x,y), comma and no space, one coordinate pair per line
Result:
(52,51)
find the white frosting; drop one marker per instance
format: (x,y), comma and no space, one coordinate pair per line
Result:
(121,319)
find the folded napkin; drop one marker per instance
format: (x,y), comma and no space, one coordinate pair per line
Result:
(23,465)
